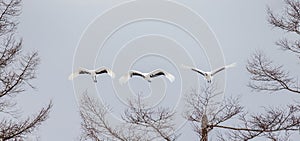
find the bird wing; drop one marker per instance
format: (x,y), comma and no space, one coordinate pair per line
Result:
(217,70)
(79,71)
(222,68)
(83,71)
(194,69)
(231,65)
(131,73)
(105,70)
(160,72)
(136,73)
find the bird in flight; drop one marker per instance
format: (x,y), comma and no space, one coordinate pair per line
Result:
(147,76)
(209,75)
(93,73)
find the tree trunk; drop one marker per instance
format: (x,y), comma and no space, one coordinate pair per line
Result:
(204,136)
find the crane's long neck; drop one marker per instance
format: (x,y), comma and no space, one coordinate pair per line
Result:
(94,76)
(95,79)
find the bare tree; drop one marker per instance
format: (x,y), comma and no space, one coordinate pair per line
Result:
(265,75)
(289,22)
(12,130)
(158,121)
(94,124)
(16,71)
(140,122)
(205,114)
(274,123)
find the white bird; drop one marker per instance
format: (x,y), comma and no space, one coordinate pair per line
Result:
(93,73)
(209,75)
(147,76)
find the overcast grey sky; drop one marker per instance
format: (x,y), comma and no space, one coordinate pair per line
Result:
(55,27)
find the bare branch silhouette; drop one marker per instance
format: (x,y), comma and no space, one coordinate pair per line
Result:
(274,123)
(266,76)
(16,72)
(288,21)
(139,122)
(94,121)
(205,114)
(9,11)
(10,129)
(159,121)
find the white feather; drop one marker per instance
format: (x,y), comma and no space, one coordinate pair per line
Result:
(170,77)
(231,65)
(76,73)
(111,74)
(124,79)
(73,75)
(185,67)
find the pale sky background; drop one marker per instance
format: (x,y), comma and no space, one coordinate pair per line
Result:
(54,28)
